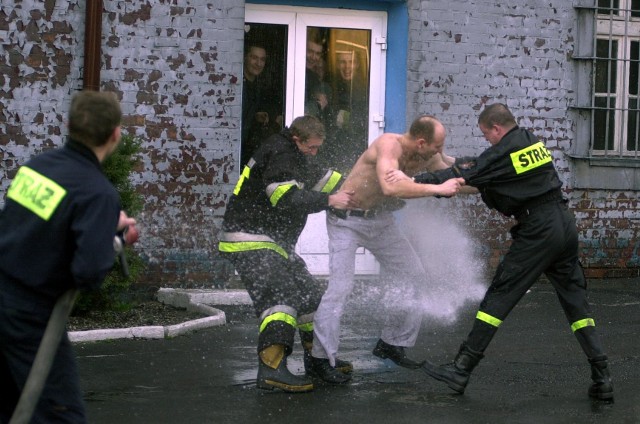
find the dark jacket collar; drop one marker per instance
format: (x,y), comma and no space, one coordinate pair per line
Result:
(83,150)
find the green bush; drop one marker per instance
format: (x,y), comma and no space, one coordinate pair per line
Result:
(113,294)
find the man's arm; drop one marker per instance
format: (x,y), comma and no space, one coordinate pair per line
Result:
(388,154)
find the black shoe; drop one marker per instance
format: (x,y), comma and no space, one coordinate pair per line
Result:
(344,367)
(601,391)
(281,378)
(455,378)
(321,368)
(602,387)
(396,354)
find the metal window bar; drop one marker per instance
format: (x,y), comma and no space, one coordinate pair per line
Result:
(624,119)
(607,95)
(634,96)
(634,72)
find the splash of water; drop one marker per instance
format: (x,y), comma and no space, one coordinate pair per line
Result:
(450,256)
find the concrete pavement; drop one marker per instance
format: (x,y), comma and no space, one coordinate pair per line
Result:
(533,372)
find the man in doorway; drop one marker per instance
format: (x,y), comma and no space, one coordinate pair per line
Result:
(316,92)
(349,112)
(258,121)
(516,176)
(277,189)
(373,227)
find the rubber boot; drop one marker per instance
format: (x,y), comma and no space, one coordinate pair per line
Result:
(306,337)
(602,387)
(273,372)
(457,373)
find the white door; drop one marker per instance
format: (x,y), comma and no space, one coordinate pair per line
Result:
(330,63)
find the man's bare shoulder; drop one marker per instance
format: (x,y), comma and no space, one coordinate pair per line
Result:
(387,139)
(379,146)
(388,145)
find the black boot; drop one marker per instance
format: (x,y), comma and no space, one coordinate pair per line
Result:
(602,387)
(273,372)
(306,337)
(344,367)
(396,354)
(457,373)
(321,368)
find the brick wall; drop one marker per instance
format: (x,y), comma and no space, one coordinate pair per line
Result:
(176,67)
(177,70)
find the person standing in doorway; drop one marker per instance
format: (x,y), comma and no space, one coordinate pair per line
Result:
(349,113)
(317,88)
(258,115)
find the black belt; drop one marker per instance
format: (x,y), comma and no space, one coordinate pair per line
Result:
(548,197)
(360,213)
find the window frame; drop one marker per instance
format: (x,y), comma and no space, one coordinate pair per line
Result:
(616,28)
(593,169)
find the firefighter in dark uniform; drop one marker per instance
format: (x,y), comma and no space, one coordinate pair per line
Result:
(57,233)
(516,176)
(276,191)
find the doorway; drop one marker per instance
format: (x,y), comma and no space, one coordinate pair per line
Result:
(329,63)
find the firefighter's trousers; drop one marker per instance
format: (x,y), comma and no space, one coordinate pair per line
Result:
(285,295)
(545,240)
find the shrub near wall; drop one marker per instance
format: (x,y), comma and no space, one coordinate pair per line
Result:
(115,292)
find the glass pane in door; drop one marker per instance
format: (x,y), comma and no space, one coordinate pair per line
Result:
(338,63)
(264,84)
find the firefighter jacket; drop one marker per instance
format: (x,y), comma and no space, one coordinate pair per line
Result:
(276,191)
(58,223)
(509,175)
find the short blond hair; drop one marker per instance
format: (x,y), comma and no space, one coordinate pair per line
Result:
(306,127)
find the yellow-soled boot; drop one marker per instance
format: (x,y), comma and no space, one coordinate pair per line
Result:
(273,372)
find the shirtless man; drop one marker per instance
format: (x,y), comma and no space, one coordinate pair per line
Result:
(373,227)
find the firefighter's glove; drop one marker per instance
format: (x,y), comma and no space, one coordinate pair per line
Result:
(426,178)
(464,164)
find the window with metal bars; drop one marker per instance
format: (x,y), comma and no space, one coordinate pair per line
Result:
(616,71)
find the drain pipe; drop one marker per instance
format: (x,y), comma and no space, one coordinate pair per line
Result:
(92,41)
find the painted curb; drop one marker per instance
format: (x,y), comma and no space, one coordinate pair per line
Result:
(192,300)
(182,297)
(146,332)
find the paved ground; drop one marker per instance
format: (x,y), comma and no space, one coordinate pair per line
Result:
(534,372)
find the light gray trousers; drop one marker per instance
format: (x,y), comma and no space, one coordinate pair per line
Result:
(400,265)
